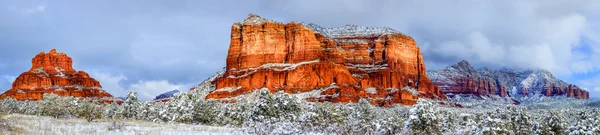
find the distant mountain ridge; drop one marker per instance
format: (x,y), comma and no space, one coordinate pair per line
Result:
(462,78)
(167,94)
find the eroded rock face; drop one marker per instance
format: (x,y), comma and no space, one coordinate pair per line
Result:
(52,72)
(462,78)
(333,64)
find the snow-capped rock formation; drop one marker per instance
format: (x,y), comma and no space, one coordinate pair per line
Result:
(379,64)
(53,73)
(462,78)
(166,95)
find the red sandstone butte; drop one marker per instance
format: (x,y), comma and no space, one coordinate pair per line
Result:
(341,64)
(53,73)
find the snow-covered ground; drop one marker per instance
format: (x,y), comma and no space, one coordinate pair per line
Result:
(42,125)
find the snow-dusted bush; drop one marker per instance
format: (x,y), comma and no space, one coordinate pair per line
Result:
(553,124)
(112,111)
(467,124)
(206,112)
(520,121)
(275,108)
(179,109)
(9,105)
(423,119)
(269,111)
(55,106)
(28,107)
(586,123)
(363,118)
(86,109)
(323,115)
(287,106)
(131,105)
(235,113)
(493,122)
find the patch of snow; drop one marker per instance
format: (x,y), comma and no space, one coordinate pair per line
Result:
(351,40)
(60,73)
(229,89)
(528,82)
(351,31)
(514,91)
(60,89)
(371,90)
(392,90)
(20,91)
(368,67)
(237,25)
(255,19)
(275,67)
(315,93)
(413,91)
(40,70)
(356,75)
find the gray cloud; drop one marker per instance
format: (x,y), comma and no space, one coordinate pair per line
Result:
(132,43)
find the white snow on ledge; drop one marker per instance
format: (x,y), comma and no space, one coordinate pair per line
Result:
(60,73)
(413,91)
(316,93)
(351,30)
(229,89)
(274,66)
(371,90)
(392,90)
(368,67)
(40,70)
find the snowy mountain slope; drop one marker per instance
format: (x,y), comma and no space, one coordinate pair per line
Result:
(526,85)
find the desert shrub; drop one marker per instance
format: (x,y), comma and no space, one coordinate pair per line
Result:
(9,105)
(87,110)
(423,119)
(131,105)
(55,106)
(112,111)
(234,114)
(392,120)
(207,112)
(362,118)
(323,115)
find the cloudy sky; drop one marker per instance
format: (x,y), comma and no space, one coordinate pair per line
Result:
(154,46)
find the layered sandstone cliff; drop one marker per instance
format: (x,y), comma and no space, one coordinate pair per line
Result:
(462,78)
(333,64)
(52,72)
